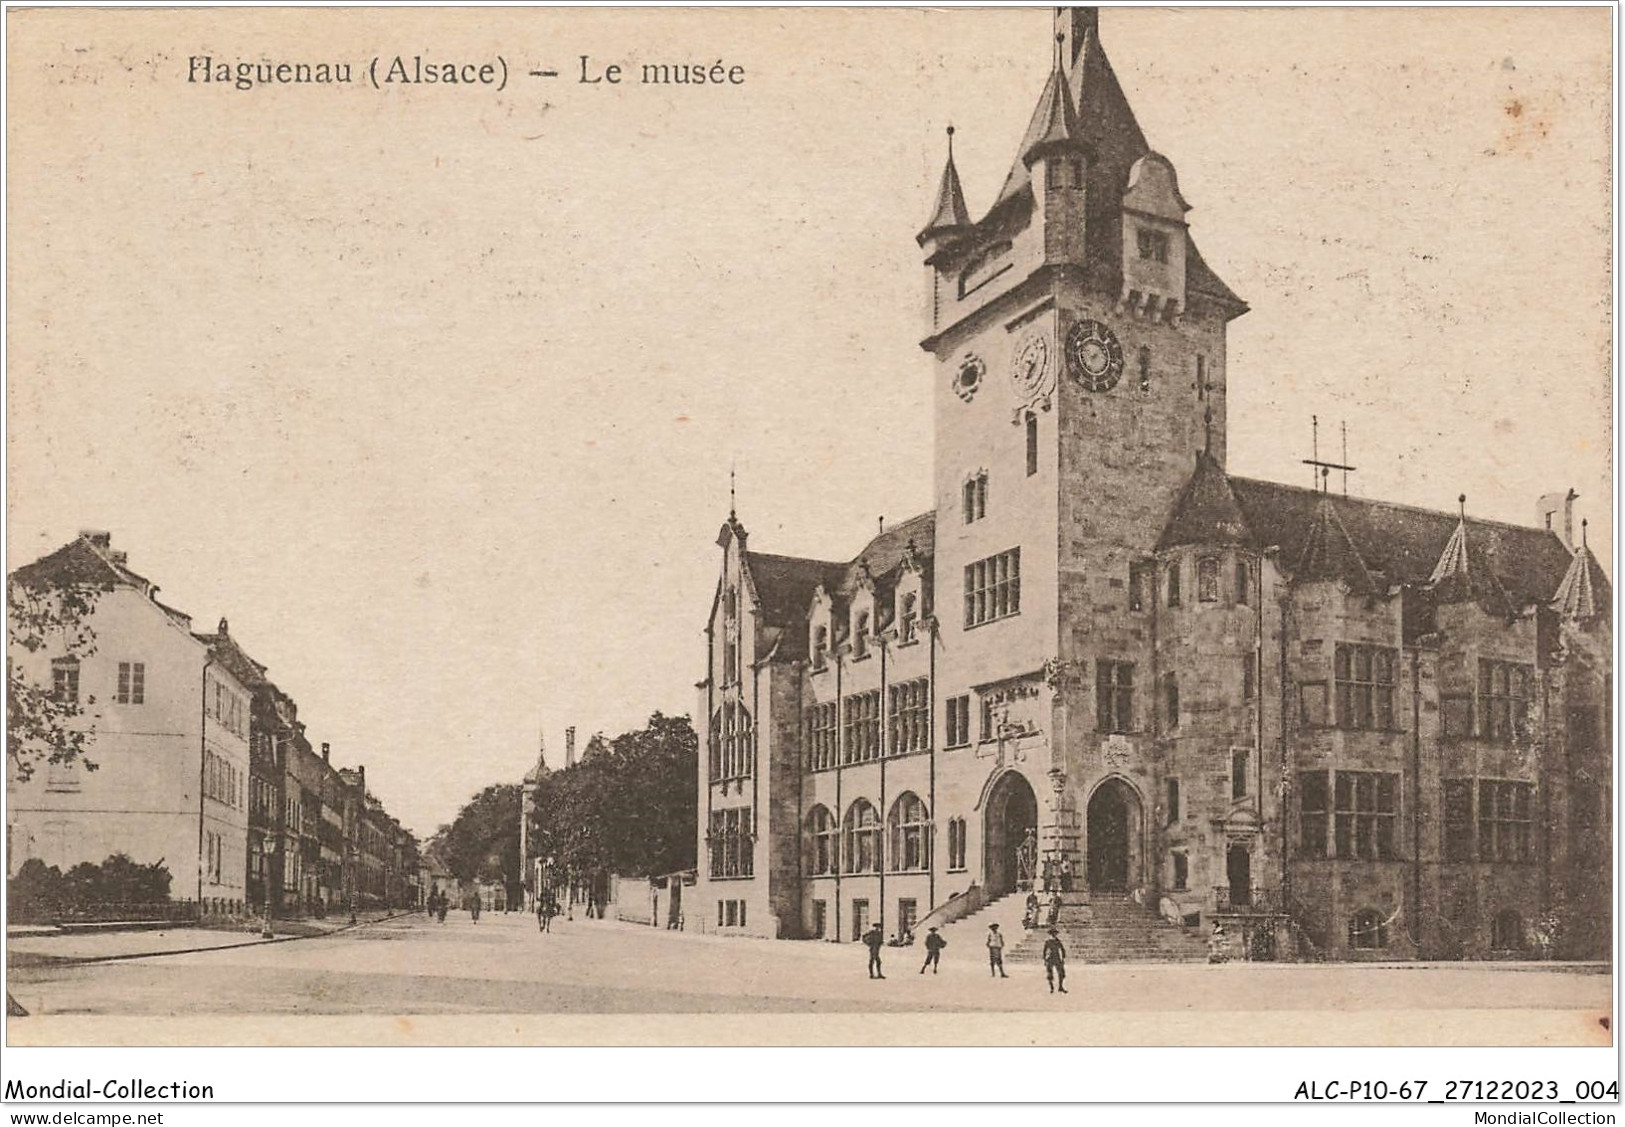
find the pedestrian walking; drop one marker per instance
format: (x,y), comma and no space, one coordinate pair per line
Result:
(474,907)
(1030,920)
(541,913)
(1054,911)
(1066,874)
(1055,962)
(995,952)
(934,944)
(874,939)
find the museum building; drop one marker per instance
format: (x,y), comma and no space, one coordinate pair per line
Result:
(1104,666)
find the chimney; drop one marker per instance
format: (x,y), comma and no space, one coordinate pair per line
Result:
(327,751)
(569,747)
(1555,513)
(118,559)
(224,629)
(97,537)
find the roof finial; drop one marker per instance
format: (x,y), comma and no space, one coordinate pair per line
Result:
(1462,501)
(1060,42)
(733,513)
(1583,523)
(1207,431)
(950,141)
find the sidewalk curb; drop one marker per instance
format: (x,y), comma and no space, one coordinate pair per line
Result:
(86,960)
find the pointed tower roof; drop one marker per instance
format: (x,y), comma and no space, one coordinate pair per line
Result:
(539,772)
(1585,593)
(1099,111)
(950,214)
(1055,120)
(1463,573)
(1207,511)
(1329,552)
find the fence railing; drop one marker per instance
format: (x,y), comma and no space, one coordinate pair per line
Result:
(46,912)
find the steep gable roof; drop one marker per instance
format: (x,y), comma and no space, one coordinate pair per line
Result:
(1404,543)
(249,673)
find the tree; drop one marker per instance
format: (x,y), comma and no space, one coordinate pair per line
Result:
(45,722)
(482,842)
(627,808)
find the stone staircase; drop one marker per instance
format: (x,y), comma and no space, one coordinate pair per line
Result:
(967,937)
(1110,928)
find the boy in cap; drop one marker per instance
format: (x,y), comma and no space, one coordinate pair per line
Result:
(934,944)
(874,939)
(1055,961)
(995,952)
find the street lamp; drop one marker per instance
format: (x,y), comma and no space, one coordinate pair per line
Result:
(267,847)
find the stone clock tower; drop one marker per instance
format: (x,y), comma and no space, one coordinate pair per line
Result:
(1079,346)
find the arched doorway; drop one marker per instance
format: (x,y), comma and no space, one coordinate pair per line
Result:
(1010,813)
(1113,834)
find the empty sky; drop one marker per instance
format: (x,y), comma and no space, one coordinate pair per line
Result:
(434,391)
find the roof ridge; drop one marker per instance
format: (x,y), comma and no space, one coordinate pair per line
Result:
(1401,505)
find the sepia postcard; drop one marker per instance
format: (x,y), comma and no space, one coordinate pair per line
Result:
(962,527)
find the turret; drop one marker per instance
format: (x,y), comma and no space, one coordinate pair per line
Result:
(1057,162)
(950,218)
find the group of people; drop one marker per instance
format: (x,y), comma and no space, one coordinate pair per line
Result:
(437,904)
(1051,913)
(546,908)
(1054,953)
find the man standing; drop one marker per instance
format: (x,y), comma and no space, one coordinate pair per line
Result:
(934,944)
(874,939)
(995,952)
(1055,962)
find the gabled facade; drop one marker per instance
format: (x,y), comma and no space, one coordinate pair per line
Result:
(170,743)
(1344,726)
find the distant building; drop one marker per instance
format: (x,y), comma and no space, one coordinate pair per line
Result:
(202,763)
(1350,726)
(170,744)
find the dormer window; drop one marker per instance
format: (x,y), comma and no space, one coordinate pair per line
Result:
(860,634)
(909,619)
(1153,245)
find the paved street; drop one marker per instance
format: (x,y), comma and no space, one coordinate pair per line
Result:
(502,965)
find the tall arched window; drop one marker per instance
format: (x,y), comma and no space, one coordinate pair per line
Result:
(1170,699)
(956,844)
(862,831)
(860,634)
(910,834)
(715,742)
(1145,368)
(824,839)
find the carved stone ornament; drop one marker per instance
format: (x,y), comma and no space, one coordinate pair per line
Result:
(968,379)
(1116,750)
(1032,373)
(1060,674)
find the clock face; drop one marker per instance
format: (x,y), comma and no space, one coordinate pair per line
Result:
(1094,355)
(1031,364)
